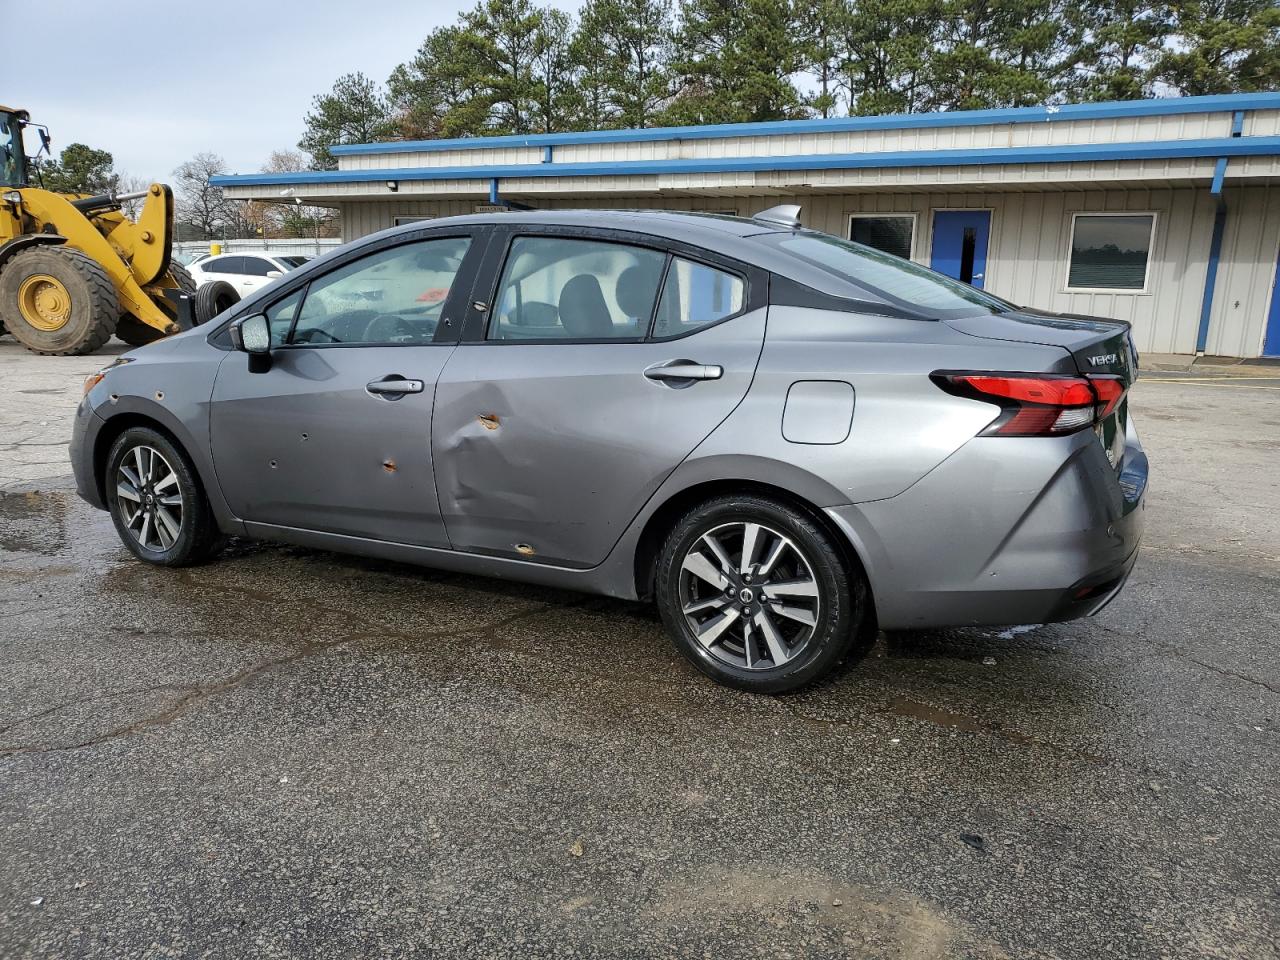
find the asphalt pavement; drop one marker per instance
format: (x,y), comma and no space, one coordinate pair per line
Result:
(290,753)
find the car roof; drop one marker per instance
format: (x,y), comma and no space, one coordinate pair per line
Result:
(720,232)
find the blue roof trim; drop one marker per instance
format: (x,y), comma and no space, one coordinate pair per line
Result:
(1071,153)
(903,121)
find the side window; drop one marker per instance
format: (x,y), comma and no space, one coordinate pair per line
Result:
(256,266)
(280,316)
(556,288)
(211,264)
(225,265)
(695,295)
(394,295)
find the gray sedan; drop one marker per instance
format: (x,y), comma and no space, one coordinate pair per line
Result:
(783,438)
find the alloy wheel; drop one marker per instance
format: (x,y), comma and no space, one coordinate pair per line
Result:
(749,595)
(150,498)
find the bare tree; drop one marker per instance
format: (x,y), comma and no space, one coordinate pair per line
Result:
(128,183)
(289,217)
(202,205)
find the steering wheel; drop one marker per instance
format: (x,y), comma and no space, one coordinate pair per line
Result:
(387,327)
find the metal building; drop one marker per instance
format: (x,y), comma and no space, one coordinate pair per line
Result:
(1165,213)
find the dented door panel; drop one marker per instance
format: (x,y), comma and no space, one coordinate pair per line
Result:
(307,445)
(547,451)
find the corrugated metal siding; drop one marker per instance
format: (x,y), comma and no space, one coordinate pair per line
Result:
(1027,256)
(444,158)
(1052,133)
(1246,271)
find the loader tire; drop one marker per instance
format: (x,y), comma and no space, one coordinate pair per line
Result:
(213,298)
(58,301)
(138,334)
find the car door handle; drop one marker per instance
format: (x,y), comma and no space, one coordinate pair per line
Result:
(685,370)
(394,387)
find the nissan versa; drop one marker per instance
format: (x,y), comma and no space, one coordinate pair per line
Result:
(782,437)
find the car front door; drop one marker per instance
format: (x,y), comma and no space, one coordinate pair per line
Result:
(253,274)
(335,436)
(588,372)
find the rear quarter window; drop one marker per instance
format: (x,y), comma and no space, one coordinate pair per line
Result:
(891,279)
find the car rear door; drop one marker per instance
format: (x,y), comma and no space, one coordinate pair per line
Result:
(220,268)
(335,436)
(593,363)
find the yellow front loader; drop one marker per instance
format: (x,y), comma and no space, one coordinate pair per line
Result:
(74,269)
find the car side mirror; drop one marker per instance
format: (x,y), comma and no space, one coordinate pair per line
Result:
(252,335)
(274,274)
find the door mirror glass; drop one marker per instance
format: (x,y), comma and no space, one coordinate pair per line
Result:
(253,334)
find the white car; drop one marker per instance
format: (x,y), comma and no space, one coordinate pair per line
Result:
(246,272)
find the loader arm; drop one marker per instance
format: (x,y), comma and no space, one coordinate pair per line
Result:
(133,255)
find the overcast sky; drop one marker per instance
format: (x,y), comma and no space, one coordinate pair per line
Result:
(157,82)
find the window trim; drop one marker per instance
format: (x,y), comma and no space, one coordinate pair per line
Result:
(913,216)
(663,245)
(470,235)
(495,291)
(672,256)
(1145,289)
(481,236)
(271,265)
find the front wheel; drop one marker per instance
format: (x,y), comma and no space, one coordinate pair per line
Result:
(156,501)
(756,595)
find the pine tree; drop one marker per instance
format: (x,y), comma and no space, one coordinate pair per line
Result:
(499,44)
(634,40)
(1222,46)
(354,111)
(1006,53)
(822,51)
(1117,44)
(80,169)
(553,70)
(735,60)
(886,47)
(438,94)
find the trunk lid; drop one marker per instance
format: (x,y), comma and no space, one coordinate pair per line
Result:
(1097,345)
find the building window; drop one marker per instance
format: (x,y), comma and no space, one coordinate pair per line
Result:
(400,221)
(1110,251)
(893,234)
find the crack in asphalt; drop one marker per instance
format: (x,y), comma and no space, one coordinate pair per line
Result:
(1184,655)
(201,693)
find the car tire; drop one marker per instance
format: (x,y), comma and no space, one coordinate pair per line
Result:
(775,624)
(213,298)
(157,502)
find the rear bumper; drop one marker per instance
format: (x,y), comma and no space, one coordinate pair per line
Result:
(1042,532)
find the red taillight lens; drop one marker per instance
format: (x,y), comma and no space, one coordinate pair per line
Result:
(1037,405)
(1110,390)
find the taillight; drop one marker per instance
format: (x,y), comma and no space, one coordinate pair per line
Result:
(1037,405)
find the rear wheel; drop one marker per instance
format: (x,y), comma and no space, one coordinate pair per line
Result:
(136,333)
(57,300)
(157,502)
(756,595)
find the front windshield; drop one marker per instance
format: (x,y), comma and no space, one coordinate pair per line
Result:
(292,262)
(12,162)
(896,281)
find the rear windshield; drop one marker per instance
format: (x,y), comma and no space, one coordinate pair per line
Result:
(895,281)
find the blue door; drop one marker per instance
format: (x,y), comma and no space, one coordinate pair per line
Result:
(960,244)
(1271,343)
